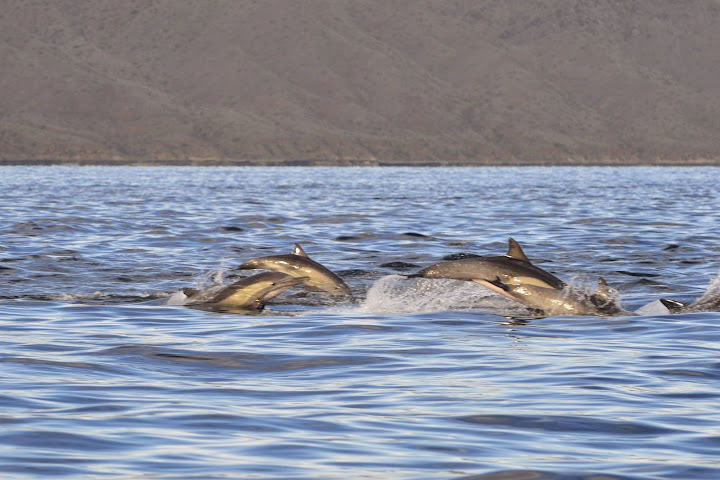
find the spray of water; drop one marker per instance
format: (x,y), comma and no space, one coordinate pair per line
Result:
(712,292)
(207,285)
(709,301)
(604,297)
(397,294)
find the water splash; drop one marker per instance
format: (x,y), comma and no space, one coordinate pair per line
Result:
(71,297)
(398,294)
(605,298)
(213,278)
(709,301)
(712,293)
(206,287)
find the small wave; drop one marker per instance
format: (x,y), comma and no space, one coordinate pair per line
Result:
(100,297)
(557,423)
(543,475)
(64,441)
(69,297)
(181,359)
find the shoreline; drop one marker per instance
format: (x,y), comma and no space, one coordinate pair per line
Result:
(698,162)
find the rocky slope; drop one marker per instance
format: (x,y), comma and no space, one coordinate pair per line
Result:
(367,82)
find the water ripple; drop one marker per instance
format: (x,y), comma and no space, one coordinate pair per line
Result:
(411,378)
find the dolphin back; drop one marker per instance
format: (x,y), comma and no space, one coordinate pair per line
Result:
(490,269)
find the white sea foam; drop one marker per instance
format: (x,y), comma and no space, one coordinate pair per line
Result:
(70,297)
(398,294)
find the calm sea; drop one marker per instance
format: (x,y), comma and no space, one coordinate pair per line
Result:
(410,379)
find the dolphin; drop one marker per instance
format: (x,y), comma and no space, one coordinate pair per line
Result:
(709,301)
(298,264)
(513,268)
(249,293)
(701,304)
(568,301)
(674,306)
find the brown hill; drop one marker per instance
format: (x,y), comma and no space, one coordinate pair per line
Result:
(369,81)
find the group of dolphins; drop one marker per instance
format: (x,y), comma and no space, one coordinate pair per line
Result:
(511,275)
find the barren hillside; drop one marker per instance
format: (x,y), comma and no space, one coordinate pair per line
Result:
(369,81)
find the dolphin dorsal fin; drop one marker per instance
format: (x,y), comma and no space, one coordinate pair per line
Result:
(602,287)
(297,250)
(515,251)
(673,306)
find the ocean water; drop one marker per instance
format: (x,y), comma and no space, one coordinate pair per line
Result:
(409,379)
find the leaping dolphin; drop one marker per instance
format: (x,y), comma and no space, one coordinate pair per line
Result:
(513,268)
(515,277)
(298,264)
(249,293)
(567,301)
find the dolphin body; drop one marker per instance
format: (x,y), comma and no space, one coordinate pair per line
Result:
(249,293)
(298,264)
(567,301)
(515,277)
(700,305)
(513,268)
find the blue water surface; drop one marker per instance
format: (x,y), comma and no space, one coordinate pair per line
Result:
(409,379)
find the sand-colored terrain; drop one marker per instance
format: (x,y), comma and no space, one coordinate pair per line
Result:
(360,82)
